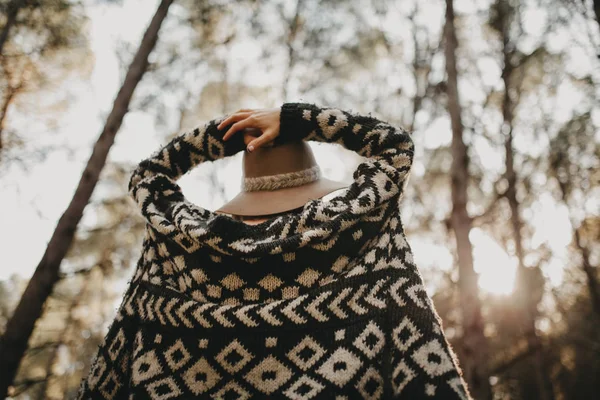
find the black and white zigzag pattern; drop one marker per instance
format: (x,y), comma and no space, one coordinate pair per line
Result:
(326,303)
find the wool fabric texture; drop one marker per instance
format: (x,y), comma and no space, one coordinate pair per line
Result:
(324,303)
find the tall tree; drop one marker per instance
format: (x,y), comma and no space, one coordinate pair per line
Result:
(474,349)
(504,14)
(19,328)
(575,162)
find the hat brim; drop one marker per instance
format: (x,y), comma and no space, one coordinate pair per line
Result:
(265,202)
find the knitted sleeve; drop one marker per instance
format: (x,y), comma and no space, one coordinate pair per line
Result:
(159,173)
(388,147)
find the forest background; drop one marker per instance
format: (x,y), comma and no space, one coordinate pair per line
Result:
(502,207)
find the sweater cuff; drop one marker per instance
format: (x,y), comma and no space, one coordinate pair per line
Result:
(292,125)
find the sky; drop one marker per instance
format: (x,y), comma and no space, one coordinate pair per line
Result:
(33,202)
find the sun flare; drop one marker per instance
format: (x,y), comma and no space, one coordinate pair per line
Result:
(495,267)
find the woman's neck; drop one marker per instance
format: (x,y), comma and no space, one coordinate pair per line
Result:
(252,220)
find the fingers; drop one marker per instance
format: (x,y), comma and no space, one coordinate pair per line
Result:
(248,138)
(260,141)
(238,126)
(240,115)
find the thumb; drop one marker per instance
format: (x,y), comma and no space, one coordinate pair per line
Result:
(260,141)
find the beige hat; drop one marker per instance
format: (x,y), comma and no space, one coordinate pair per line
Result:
(278,179)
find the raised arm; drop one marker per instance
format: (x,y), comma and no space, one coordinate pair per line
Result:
(379,179)
(158,173)
(389,147)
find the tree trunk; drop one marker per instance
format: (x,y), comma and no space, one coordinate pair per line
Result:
(474,347)
(523,292)
(19,328)
(528,306)
(590,273)
(11,17)
(65,337)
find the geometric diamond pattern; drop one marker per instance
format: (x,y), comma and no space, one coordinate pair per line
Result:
(340,367)
(201,376)
(401,376)
(232,390)
(304,388)
(306,353)
(321,302)
(233,357)
(432,358)
(163,389)
(370,384)
(145,367)
(405,334)
(371,340)
(177,356)
(269,375)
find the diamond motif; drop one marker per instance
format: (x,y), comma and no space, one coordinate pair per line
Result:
(98,369)
(370,384)
(110,386)
(201,377)
(371,340)
(251,293)
(405,334)
(308,277)
(269,375)
(233,357)
(401,376)
(177,355)
(145,367)
(304,388)
(116,345)
(231,388)
(290,292)
(163,389)
(270,282)
(331,121)
(432,358)
(213,291)
(306,353)
(199,275)
(233,281)
(340,367)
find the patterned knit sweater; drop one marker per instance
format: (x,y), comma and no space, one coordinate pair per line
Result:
(323,303)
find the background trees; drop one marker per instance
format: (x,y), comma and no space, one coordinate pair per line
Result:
(501,210)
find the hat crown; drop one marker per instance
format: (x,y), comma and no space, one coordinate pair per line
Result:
(287,165)
(284,158)
(277,179)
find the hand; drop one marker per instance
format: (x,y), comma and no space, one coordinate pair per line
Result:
(263,121)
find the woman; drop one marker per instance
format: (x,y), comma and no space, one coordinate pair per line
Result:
(324,302)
